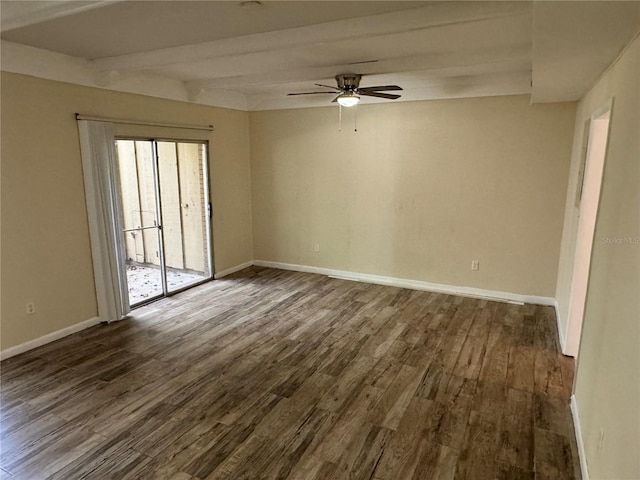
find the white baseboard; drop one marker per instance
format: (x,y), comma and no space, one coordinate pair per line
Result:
(413,284)
(561,334)
(235,269)
(578,430)
(48,338)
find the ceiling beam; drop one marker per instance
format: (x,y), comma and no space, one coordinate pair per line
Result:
(432,16)
(339,55)
(21,14)
(501,59)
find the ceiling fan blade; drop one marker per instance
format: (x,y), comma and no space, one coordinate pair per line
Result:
(363,61)
(327,86)
(311,93)
(335,99)
(389,96)
(381,88)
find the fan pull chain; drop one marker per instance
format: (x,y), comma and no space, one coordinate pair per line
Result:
(355,120)
(340,115)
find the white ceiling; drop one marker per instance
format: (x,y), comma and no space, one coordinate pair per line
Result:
(575,42)
(249,57)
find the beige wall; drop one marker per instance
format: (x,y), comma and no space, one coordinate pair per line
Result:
(607,385)
(46,253)
(418,192)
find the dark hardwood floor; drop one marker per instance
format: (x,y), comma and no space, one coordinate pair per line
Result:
(270,374)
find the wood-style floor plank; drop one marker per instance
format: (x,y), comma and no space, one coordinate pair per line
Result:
(269,374)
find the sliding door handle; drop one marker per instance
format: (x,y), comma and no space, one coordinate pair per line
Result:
(137,229)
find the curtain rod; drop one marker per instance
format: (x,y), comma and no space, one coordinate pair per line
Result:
(79,116)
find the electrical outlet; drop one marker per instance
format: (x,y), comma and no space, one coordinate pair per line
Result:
(316,247)
(30,308)
(475,265)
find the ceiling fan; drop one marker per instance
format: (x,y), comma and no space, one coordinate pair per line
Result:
(349,91)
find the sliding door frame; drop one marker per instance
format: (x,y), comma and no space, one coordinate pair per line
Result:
(207,205)
(156,189)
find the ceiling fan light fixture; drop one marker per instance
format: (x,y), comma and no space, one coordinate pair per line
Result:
(348,99)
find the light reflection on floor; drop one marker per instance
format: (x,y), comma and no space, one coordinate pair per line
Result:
(145,281)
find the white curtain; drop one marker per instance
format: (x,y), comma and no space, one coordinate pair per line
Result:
(102,191)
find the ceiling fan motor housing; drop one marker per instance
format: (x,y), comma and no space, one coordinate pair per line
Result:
(348,81)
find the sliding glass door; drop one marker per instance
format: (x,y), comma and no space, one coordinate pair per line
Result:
(166,216)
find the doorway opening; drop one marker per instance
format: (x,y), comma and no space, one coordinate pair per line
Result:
(166,216)
(587,201)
